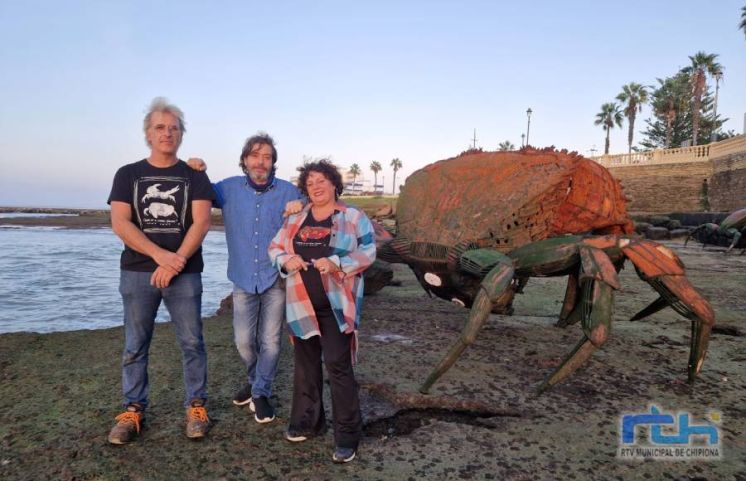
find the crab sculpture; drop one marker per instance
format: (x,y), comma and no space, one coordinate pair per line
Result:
(730,231)
(474,228)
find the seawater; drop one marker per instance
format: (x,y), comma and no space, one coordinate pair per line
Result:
(54,279)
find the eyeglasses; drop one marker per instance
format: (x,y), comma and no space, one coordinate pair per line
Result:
(172,129)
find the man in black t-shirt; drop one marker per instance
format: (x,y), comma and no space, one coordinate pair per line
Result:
(160,208)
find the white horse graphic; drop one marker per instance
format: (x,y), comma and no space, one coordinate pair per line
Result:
(152,192)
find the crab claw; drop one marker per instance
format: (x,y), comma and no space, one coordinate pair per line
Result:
(662,269)
(688,302)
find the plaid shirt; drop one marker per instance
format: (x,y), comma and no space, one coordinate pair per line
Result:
(353,249)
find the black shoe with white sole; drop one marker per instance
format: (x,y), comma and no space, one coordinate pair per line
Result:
(265,413)
(343,455)
(243,396)
(295,436)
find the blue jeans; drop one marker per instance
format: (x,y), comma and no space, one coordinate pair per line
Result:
(183,300)
(257,330)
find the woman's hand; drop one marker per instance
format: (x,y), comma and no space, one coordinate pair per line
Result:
(295,263)
(325,265)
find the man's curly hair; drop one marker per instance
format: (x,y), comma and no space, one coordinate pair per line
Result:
(324,167)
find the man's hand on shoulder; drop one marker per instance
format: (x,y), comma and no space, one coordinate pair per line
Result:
(197,164)
(292,207)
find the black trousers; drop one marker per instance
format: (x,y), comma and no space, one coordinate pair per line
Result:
(307,413)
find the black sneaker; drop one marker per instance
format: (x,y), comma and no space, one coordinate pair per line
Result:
(343,455)
(243,396)
(265,413)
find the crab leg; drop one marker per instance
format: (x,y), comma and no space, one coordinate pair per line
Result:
(570,307)
(662,269)
(655,306)
(598,280)
(736,238)
(493,285)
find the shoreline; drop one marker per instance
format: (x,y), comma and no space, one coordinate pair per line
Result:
(483,420)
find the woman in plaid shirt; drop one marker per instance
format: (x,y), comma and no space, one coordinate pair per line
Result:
(322,252)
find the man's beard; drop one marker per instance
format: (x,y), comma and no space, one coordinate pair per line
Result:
(259,178)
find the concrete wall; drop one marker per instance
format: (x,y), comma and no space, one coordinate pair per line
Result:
(727,188)
(664,188)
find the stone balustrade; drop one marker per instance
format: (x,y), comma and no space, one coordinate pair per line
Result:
(697,153)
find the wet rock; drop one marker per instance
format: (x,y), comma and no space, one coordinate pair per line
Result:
(384,212)
(660,220)
(641,227)
(657,233)
(673,224)
(226,306)
(676,233)
(377,276)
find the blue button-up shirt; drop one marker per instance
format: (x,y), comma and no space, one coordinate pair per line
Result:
(251,221)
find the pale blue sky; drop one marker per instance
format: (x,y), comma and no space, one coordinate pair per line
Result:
(357,81)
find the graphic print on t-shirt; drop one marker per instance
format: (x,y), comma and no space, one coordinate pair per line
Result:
(312,236)
(160,203)
(313,233)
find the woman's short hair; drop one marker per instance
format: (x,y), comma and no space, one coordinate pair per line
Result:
(324,167)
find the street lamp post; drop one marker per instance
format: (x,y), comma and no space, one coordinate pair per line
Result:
(528,125)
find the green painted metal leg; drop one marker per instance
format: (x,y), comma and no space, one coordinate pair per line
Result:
(598,300)
(654,307)
(736,238)
(493,285)
(698,348)
(582,351)
(570,304)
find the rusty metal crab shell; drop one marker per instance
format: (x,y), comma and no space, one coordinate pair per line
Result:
(735,220)
(508,199)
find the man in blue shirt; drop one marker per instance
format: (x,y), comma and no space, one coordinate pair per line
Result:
(253,206)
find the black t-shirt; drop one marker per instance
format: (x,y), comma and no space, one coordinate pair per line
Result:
(312,242)
(161,202)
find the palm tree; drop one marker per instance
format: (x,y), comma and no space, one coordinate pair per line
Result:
(355,171)
(609,116)
(702,65)
(507,145)
(375,166)
(718,76)
(743,20)
(634,95)
(396,165)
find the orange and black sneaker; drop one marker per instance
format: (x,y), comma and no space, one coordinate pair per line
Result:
(128,425)
(197,421)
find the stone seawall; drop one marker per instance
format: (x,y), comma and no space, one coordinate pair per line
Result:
(662,188)
(727,189)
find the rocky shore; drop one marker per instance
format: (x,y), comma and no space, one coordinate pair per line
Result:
(483,420)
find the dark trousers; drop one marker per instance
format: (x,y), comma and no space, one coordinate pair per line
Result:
(307,413)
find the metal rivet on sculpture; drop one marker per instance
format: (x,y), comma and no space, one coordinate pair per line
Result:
(474,229)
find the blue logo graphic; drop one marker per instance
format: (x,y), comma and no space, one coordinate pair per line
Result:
(682,438)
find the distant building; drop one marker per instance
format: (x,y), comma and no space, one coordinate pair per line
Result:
(355,185)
